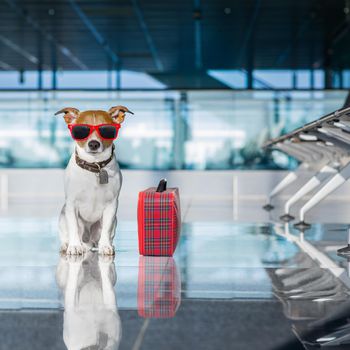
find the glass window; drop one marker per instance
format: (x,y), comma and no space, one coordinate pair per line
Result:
(319,79)
(346,78)
(31,136)
(170,130)
(27,80)
(236,79)
(304,79)
(275,79)
(79,80)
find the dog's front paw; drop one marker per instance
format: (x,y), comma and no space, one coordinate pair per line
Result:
(77,249)
(106,249)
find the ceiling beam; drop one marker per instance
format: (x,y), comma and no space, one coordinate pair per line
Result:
(22,52)
(95,33)
(154,52)
(47,36)
(6,66)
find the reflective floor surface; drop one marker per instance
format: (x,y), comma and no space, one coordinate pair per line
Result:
(231,285)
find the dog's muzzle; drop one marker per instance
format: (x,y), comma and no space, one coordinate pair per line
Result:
(94,145)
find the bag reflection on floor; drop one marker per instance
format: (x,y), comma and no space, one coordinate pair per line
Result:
(159,287)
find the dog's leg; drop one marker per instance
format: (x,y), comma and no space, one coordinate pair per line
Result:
(109,220)
(95,233)
(114,227)
(63,232)
(75,246)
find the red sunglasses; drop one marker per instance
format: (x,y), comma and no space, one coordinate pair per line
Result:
(83,131)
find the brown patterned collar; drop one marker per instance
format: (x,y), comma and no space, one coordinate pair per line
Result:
(93,167)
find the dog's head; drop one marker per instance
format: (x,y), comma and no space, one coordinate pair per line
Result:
(94,142)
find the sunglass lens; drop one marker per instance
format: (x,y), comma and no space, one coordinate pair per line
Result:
(108,131)
(80,132)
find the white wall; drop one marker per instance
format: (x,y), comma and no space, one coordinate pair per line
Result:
(205,195)
(247,185)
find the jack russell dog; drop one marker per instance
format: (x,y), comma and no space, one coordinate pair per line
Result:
(92,181)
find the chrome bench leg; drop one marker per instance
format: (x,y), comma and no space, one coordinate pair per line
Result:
(335,182)
(310,185)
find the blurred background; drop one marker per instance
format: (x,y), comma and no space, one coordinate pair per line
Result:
(209,81)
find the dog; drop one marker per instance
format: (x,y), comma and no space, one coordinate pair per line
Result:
(92,181)
(91,319)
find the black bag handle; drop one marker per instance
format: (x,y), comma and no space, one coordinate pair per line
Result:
(162,185)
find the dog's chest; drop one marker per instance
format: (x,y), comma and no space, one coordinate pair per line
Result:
(94,194)
(91,197)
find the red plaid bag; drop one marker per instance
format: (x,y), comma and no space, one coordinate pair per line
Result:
(159,287)
(158,215)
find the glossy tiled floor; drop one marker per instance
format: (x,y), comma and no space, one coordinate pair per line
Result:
(238,280)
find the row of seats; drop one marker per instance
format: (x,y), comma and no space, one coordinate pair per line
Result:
(323,148)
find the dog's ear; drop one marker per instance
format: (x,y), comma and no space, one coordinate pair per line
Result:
(70,114)
(118,113)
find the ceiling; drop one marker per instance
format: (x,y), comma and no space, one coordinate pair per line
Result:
(159,36)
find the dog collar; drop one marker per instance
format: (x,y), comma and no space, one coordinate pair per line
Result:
(95,167)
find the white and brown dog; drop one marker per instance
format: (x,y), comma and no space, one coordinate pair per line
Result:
(92,181)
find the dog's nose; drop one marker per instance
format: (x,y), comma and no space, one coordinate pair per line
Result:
(93,145)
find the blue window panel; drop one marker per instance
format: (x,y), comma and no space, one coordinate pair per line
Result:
(11,80)
(79,80)
(346,78)
(304,79)
(319,79)
(99,80)
(235,79)
(276,79)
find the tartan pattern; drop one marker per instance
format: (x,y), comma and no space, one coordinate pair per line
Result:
(158,222)
(159,287)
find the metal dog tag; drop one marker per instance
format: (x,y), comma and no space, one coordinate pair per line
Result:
(103,177)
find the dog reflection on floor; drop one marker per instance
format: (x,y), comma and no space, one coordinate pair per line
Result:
(91,319)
